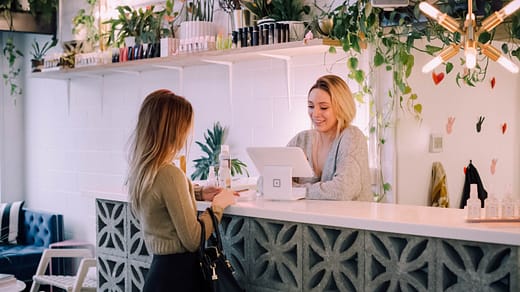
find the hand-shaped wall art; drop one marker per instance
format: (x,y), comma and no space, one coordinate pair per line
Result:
(449,124)
(479,123)
(493,166)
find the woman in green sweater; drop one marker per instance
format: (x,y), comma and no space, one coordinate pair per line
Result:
(163,198)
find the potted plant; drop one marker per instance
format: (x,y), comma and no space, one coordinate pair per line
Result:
(260,8)
(291,12)
(213,139)
(84,27)
(38,52)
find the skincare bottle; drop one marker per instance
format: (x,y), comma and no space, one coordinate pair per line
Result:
(224,171)
(212,178)
(491,205)
(508,205)
(473,203)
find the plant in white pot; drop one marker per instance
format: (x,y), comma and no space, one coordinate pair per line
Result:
(291,12)
(38,53)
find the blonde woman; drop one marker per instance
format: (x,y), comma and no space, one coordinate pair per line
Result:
(163,198)
(336,149)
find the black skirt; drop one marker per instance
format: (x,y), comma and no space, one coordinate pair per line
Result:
(174,273)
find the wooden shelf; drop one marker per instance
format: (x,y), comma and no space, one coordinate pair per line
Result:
(193,59)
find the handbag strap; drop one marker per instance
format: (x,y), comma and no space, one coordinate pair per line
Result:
(202,245)
(215,229)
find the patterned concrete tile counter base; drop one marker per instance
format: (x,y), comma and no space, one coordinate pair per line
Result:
(276,255)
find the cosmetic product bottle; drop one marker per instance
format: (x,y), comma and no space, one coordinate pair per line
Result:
(224,171)
(271,33)
(265,32)
(491,204)
(245,37)
(508,205)
(212,178)
(278,33)
(473,203)
(250,35)
(234,39)
(284,33)
(287,32)
(255,36)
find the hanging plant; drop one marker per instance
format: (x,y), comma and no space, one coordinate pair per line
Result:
(11,53)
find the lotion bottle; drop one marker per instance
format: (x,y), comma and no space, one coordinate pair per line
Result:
(508,204)
(491,204)
(473,203)
(212,178)
(224,171)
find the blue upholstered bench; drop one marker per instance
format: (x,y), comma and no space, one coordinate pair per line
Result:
(39,230)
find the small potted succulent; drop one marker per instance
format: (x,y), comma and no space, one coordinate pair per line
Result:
(38,52)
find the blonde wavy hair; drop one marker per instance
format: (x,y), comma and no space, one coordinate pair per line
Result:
(343,104)
(163,126)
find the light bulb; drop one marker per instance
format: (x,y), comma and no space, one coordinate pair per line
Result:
(443,56)
(511,7)
(443,19)
(429,10)
(506,63)
(471,57)
(432,64)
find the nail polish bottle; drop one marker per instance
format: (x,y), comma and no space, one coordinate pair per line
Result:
(284,33)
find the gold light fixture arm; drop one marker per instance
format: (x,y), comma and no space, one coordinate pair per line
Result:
(495,55)
(498,17)
(443,19)
(446,54)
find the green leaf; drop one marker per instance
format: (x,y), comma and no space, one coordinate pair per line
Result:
(417,108)
(387,187)
(413,96)
(505,48)
(449,67)
(332,50)
(359,76)
(352,63)
(358,96)
(378,59)
(432,49)
(484,37)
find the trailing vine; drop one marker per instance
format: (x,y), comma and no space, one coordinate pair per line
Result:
(392,36)
(10,78)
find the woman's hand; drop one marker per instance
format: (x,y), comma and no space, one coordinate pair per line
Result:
(224,199)
(209,192)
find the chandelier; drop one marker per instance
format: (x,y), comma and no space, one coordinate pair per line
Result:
(470,31)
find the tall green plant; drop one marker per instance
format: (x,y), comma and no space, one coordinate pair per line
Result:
(213,139)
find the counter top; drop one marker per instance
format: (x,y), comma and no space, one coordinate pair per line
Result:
(405,219)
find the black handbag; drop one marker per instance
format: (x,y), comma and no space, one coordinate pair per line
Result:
(216,268)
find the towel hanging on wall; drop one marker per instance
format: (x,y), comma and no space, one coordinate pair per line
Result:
(439,187)
(472,177)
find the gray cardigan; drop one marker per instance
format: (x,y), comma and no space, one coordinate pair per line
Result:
(345,175)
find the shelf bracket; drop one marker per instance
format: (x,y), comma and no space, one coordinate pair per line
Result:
(179,69)
(288,72)
(230,75)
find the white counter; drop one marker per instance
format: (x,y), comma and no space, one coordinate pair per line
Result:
(405,219)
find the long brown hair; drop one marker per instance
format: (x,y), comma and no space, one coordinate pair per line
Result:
(341,99)
(163,126)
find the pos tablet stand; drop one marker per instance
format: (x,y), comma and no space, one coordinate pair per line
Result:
(278,165)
